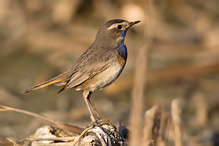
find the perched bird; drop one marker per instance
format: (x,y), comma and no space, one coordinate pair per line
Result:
(99,66)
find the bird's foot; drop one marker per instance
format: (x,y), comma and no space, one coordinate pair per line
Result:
(101,122)
(106,123)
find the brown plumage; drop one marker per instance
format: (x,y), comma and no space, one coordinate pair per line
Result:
(99,65)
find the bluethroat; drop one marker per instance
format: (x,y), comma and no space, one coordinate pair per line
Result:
(99,66)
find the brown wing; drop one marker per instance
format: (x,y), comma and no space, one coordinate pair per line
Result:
(90,63)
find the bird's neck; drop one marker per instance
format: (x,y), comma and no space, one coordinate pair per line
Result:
(111,43)
(122,47)
(123,51)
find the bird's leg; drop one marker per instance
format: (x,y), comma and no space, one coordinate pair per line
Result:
(86,96)
(94,108)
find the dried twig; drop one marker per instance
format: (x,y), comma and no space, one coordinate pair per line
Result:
(3,143)
(69,127)
(95,134)
(151,126)
(176,112)
(100,132)
(138,89)
(156,126)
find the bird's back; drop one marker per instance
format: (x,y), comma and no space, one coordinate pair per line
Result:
(95,69)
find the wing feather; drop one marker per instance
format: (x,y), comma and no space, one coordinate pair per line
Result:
(89,64)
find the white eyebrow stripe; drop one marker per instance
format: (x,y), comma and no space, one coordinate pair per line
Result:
(115,25)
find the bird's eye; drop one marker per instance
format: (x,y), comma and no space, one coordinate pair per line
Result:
(119,26)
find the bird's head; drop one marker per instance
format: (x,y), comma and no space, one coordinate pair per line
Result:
(113,31)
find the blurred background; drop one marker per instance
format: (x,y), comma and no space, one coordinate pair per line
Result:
(40,39)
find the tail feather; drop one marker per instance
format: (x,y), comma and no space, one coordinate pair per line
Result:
(44,84)
(63,89)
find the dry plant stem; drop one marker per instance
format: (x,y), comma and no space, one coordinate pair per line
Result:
(175,112)
(156,126)
(168,128)
(148,125)
(13,141)
(200,109)
(3,143)
(137,98)
(53,139)
(59,124)
(151,126)
(138,89)
(81,135)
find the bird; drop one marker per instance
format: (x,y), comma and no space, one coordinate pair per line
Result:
(98,67)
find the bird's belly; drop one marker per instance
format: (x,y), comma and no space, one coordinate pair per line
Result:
(104,78)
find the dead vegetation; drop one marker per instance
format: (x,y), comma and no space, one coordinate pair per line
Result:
(155,131)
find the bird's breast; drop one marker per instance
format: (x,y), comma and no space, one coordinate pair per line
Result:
(106,77)
(122,51)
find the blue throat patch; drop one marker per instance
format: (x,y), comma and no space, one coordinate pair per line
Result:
(122,47)
(123,34)
(123,51)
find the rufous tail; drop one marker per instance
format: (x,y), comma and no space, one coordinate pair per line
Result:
(44,84)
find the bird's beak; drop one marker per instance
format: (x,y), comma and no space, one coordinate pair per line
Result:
(131,24)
